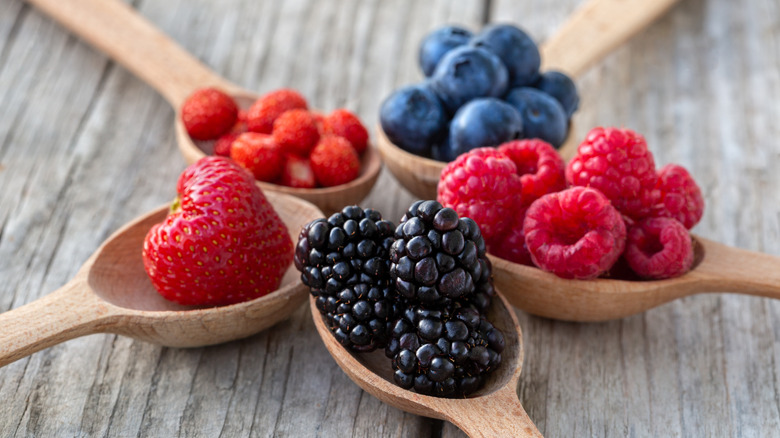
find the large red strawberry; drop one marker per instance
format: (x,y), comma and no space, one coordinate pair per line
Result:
(222,241)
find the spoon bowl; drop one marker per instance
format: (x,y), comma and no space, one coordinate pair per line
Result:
(126,37)
(492,411)
(716,268)
(112,293)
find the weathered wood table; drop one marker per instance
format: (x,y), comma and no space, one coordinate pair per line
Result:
(85,147)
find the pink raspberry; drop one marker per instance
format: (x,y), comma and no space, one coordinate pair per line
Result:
(574,233)
(511,245)
(659,247)
(680,196)
(539,165)
(618,163)
(481,184)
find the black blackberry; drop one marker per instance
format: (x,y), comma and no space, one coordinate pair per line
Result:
(438,257)
(344,261)
(446,353)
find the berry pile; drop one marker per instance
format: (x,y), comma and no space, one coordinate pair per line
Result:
(420,290)
(222,242)
(278,139)
(579,220)
(480,90)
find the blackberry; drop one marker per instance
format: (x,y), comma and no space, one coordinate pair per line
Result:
(446,353)
(345,262)
(438,257)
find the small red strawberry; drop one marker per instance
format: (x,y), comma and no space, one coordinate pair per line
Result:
(334,161)
(296,132)
(261,115)
(297,173)
(221,243)
(208,113)
(258,153)
(224,143)
(343,123)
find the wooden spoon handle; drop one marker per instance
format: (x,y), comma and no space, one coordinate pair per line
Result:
(64,314)
(122,34)
(499,414)
(728,269)
(595,29)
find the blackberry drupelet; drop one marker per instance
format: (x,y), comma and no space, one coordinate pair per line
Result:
(438,257)
(446,353)
(344,260)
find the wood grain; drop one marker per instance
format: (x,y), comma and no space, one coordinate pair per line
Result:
(85,147)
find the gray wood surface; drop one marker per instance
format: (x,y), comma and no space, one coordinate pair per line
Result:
(85,147)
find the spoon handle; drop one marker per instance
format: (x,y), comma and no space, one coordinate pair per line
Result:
(125,36)
(67,313)
(729,269)
(499,414)
(595,29)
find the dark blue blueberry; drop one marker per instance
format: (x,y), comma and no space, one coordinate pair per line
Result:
(515,49)
(484,122)
(437,43)
(562,88)
(543,117)
(466,73)
(413,118)
(442,151)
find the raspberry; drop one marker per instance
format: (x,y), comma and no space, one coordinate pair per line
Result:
(343,123)
(259,154)
(574,233)
(224,143)
(208,113)
(659,247)
(618,163)
(539,165)
(297,173)
(680,196)
(511,245)
(481,184)
(261,115)
(334,161)
(296,132)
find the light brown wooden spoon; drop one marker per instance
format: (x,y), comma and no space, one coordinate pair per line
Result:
(594,30)
(111,293)
(126,37)
(717,268)
(493,411)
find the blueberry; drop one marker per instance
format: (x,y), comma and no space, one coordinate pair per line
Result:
(515,49)
(465,73)
(413,118)
(484,122)
(543,117)
(442,150)
(562,88)
(437,43)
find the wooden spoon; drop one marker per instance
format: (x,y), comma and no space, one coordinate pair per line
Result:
(125,36)
(589,34)
(111,293)
(717,268)
(493,411)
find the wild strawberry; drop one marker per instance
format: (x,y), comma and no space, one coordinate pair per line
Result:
(334,161)
(343,123)
(296,132)
(259,154)
(297,173)
(261,115)
(222,242)
(208,113)
(224,143)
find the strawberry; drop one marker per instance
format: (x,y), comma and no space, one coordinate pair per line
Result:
(296,132)
(297,173)
(334,161)
(343,123)
(208,113)
(259,154)
(224,143)
(221,243)
(261,115)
